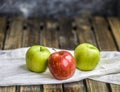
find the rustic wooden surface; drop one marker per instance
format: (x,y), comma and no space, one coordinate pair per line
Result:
(63,33)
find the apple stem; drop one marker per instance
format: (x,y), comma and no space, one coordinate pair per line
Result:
(54,49)
(40,48)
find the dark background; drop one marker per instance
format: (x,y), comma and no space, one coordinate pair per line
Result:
(59,8)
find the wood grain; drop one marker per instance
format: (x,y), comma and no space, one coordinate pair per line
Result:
(103,34)
(13,40)
(67,40)
(14,33)
(32,32)
(74,87)
(67,36)
(107,35)
(8,89)
(50,34)
(50,39)
(84,31)
(115,88)
(31,88)
(2,37)
(31,36)
(64,33)
(86,34)
(115,28)
(3,24)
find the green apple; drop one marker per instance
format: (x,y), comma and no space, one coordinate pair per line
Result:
(37,58)
(87,56)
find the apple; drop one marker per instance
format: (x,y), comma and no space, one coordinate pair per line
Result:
(62,64)
(37,58)
(87,56)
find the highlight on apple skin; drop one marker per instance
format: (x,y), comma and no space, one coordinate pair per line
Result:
(37,58)
(87,56)
(62,65)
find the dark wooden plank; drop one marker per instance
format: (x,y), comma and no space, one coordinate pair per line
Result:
(67,36)
(50,39)
(7,89)
(103,34)
(68,40)
(101,27)
(14,34)
(2,35)
(32,32)
(31,88)
(12,41)
(74,87)
(115,28)
(84,31)
(31,36)
(95,86)
(52,88)
(115,88)
(85,34)
(50,34)
(3,24)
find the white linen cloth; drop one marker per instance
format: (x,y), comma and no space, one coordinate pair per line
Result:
(13,69)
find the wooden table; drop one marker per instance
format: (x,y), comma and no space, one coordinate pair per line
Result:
(63,33)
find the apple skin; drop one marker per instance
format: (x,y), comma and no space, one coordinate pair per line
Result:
(87,56)
(37,58)
(62,65)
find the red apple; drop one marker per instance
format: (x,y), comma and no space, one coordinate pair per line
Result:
(62,65)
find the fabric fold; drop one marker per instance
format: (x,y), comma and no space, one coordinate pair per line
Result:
(13,69)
